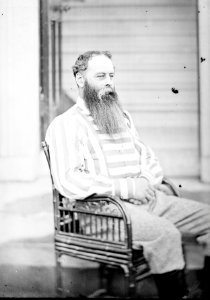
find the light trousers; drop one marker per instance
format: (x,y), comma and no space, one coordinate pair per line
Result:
(159,229)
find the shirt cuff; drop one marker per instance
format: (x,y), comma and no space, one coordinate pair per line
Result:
(147,175)
(124,188)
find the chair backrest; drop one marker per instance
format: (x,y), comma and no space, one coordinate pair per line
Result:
(47,155)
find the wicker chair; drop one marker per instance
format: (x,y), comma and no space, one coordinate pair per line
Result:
(86,229)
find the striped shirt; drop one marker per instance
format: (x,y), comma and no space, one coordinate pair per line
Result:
(85,161)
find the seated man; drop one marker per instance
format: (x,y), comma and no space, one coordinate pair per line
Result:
(94,148)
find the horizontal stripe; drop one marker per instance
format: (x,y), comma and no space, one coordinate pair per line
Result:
(99,131)
(120,140)
(122,163)
(123,157)
(114,136)
(128,175)
(110,153)
(122,171)
(117,146)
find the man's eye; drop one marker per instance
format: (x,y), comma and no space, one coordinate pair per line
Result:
(111,75)
(100,75)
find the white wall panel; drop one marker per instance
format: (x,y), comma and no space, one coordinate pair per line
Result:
(154,47)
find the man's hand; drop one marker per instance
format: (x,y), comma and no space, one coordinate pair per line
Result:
(145,192)
(165,189)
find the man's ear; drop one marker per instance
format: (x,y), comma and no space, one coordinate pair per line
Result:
(80,80)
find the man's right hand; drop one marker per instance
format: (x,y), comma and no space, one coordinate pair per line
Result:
(145,192)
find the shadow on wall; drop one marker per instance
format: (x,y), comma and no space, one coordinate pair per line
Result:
(47,113)
(65,103)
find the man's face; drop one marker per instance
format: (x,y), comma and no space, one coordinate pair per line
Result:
(100,74)
(100,96)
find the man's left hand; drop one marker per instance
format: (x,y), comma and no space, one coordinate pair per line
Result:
(165,189)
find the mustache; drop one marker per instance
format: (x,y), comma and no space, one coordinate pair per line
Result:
(107,93)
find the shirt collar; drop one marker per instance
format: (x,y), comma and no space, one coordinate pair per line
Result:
(82,105)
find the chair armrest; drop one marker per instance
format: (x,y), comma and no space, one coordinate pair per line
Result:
(95,207)
(112,199)
(120,207)
(171,186)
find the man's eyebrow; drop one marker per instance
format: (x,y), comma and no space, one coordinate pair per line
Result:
(103,73)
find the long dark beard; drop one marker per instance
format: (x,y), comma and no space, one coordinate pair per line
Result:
(105,109)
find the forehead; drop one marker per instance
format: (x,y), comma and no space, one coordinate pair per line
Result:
(100,63)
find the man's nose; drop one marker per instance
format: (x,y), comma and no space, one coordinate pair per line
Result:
(109,82)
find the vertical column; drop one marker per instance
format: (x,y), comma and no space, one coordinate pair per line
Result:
(19,89)
(204,83)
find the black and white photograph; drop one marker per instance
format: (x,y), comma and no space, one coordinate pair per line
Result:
(105,149)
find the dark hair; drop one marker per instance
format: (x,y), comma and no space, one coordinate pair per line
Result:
(81,63)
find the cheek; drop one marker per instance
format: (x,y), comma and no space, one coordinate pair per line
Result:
(96,85)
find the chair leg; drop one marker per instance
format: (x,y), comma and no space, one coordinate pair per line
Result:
(103,283)
(59,287)
(103,276)
(132,285)
(131,281)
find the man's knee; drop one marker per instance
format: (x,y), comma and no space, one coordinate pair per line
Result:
(160,239)
(150,228)
(170,235)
